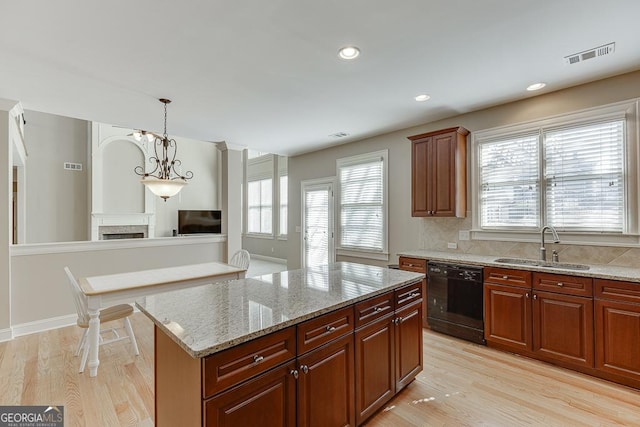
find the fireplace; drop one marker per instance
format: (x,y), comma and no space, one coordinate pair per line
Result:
(112,232)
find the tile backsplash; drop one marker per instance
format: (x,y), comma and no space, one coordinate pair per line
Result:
(437,232)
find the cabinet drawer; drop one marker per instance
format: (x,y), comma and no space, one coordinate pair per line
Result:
(560,283)
(316,332)
(408,294)
(506,276)
(617,291)
(413,264)
(232,366)
(374,308)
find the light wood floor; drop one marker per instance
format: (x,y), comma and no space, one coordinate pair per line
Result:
(462,384)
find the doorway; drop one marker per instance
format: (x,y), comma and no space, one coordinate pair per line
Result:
(318,246)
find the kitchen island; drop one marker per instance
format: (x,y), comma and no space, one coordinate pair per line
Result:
(326,345)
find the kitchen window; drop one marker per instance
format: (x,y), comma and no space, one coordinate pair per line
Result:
(576,173)
(259,206)
(362,205)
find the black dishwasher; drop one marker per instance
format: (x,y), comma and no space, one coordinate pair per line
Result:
(455,300)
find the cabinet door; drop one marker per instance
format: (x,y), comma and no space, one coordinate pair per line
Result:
(442,191)
(326,385)
(507,317)
(408,349)
(563,328)
(618,338)
(420,205)
(375,362)
(268,400)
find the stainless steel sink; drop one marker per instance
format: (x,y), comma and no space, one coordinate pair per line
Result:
(545,264)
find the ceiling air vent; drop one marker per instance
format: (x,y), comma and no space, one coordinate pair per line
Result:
(339,135)
(591,53)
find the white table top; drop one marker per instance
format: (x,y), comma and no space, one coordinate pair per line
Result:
(99,285)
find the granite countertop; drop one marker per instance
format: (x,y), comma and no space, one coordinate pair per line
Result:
(611,272)
(209,318)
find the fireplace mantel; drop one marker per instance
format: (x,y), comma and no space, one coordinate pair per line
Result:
(134,220)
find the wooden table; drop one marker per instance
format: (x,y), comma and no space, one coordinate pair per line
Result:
(102,291)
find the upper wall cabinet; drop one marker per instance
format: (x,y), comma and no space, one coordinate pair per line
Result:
(439,173)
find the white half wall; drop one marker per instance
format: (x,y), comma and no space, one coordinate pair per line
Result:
(40,291)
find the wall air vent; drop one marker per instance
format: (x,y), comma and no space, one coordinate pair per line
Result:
(591,53)
(72,166)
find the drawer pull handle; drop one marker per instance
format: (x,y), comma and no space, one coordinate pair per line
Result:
(257,358)
(294,372)
(410,265)
(331,328)
(414,294)
(304,369)
(376,309)
(505,277)
(560,284)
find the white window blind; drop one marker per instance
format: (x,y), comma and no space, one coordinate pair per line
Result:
(316,220)
(584,177)
(510,182)
(362,203)
(259,206)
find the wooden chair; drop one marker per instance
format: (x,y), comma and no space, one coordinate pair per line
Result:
(241,259)
(121,311)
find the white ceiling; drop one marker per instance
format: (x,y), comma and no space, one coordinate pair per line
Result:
(265,73)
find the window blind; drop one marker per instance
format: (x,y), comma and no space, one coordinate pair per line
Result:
(362,204)
(509,182)
(259,206)
(584,177)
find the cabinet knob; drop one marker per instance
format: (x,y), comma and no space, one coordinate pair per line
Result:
(535,296)
(330,328)
(304,369)
(397,320)
(560,284)
(376,309)
(294,372)
(526,295)
(505,277)
(257,358)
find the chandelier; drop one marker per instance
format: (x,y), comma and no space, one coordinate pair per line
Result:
(164,180)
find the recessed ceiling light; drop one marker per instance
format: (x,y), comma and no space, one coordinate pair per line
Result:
(421,98)
(349,52)
(536,86)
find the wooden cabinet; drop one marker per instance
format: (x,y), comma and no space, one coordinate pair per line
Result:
(562,321)
(507,313)
(543,315)
(320,372)
(268,400)
(326,385)
(507,318)
(438,173)
(417,265)
(388,348)
(617,330)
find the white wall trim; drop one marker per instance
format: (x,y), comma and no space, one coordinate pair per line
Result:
(44,325)
(5,334)
(270,259)
(105,245)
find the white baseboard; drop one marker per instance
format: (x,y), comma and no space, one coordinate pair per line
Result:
(5,334)
(43,325)
(270,259)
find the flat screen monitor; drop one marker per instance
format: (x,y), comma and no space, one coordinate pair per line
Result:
(199,222)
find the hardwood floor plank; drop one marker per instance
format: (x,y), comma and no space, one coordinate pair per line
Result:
(463,384)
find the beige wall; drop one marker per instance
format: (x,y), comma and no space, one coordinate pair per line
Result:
(57,199)
(6,173)
(405,232)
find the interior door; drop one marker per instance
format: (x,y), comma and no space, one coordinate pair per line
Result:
(317,223)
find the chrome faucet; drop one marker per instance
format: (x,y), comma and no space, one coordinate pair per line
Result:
(556,239)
